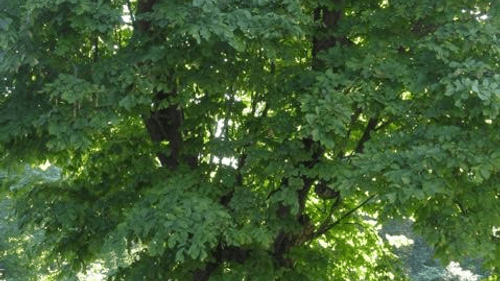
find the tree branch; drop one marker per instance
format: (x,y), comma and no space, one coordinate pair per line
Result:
(328,218)
(354,117)
(326,228)
(164,125)
(129,7)
(384,124)
(372,124)
(144,6)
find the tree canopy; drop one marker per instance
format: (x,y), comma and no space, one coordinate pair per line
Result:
(248,139)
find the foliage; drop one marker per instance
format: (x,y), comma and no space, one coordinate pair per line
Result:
(19,244)
(202,140)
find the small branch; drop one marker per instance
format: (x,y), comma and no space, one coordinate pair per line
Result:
(241,163)
(384,124)
(265,111)
(354,118)
(328,218)
(129,6)
(330,226)
(227,116)
(302,194)
(253,98)
(96,50)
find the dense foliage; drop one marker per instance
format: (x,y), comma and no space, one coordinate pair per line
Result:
(248,139)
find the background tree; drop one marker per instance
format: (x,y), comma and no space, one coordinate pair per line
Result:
(236,140)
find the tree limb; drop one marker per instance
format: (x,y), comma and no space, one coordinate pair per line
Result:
(144,6)
(129,7)
(327,227)
(372,124)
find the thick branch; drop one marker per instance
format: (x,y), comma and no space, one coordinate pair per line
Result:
(372,124)
(144,6)
(164,125)
(329,20)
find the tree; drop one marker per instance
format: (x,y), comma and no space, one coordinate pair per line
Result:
(251,140)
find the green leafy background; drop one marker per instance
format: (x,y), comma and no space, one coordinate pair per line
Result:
(399,115)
